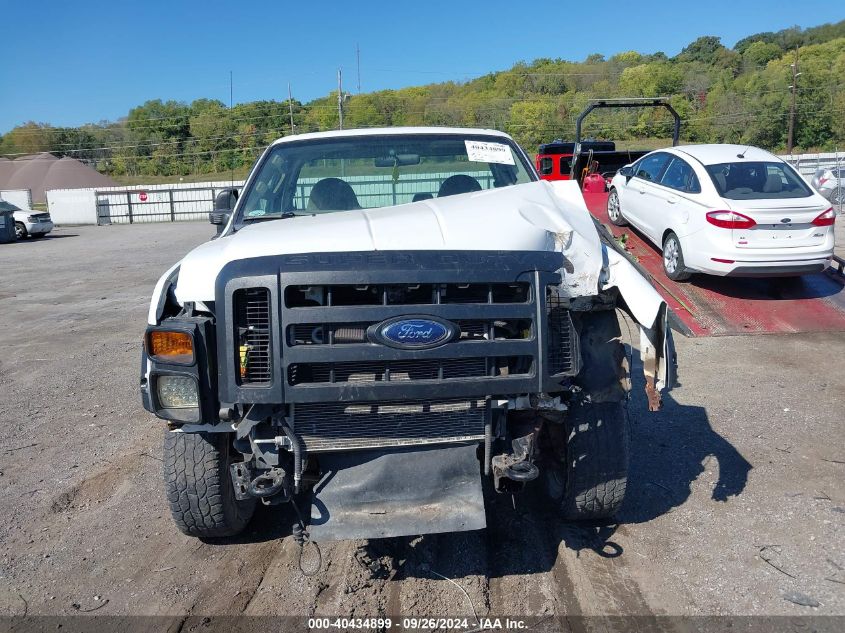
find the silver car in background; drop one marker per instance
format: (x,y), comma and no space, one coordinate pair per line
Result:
(828,181)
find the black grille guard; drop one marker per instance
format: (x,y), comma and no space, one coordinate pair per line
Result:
(537,268)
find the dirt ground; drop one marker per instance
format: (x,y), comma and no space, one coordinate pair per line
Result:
(736,503)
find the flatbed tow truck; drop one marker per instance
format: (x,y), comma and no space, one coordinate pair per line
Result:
(705,305)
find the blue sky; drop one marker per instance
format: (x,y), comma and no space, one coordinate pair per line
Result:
(68,63)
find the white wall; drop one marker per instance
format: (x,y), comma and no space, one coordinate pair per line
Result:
(79,206)
(72,206)
(19,197)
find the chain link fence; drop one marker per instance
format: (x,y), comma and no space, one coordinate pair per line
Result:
(824,172)
(163,203)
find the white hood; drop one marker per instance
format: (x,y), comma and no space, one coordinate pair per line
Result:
(538,216)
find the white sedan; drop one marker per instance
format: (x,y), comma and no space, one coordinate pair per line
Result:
(28,222)
(724,210)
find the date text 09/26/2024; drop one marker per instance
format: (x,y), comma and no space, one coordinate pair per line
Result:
(417,623)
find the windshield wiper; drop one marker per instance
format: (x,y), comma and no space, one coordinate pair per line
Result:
(281,216)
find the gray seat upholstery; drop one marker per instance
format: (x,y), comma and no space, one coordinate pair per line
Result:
(332,194)
(459,183)
(721,181)
(774,184)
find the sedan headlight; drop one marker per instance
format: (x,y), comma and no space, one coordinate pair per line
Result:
(177,392)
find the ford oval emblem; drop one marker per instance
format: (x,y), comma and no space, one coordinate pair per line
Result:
(786,220)
(416,332)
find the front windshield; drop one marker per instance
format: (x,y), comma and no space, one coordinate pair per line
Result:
(757,181)
(367,172)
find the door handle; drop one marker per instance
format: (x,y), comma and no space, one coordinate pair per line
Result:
(641,190)
(672,200)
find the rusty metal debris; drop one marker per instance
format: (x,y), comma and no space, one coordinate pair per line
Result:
(653,394)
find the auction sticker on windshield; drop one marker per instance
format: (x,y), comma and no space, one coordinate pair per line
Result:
(486,152)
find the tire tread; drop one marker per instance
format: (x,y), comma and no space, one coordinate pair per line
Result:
(199,491)
(597,460)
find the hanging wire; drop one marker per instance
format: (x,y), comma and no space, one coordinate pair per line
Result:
(303,538)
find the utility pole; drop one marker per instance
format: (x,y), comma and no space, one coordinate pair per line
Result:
(794,88)
(358,62)
(231,104)
(290,105)
(340,98)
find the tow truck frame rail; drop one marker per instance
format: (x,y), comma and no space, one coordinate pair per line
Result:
(649,102)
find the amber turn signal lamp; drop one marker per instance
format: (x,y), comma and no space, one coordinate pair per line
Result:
(171,347)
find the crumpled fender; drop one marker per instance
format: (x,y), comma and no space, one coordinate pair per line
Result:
(592,267)
(657,349)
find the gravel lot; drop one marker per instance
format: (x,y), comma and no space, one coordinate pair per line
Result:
(736,501)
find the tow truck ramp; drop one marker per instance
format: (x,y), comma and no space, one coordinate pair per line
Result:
(718,306)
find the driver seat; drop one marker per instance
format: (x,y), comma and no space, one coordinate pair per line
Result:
(459,183)
(332,194)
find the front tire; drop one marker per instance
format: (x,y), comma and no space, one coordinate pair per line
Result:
(199,487)
(20,231)
(592,481)
(589,473)
(614,210)
(673,259)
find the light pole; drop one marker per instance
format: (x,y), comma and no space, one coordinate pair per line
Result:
(794,88)
(340,98)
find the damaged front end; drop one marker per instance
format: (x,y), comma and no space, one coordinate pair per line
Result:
(378,388)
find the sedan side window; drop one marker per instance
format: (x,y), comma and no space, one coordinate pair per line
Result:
(650,167)
(679,175)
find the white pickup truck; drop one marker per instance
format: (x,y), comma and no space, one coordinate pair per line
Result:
(28,223)
(386,317)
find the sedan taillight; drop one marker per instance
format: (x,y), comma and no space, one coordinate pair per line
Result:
(730,220)
(825,219)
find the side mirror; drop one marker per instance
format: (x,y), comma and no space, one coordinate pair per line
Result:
(627,171)
(224,204)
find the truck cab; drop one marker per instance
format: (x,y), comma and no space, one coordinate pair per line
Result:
(554,160)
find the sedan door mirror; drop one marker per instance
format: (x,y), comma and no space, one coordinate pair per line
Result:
(627,171)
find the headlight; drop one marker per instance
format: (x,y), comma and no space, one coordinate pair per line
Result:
(32,218)
(177,392)
(171,347)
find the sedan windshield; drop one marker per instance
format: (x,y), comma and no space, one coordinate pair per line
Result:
(367,172)
(757,181)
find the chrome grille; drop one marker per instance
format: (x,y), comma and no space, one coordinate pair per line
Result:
(252,321)
(345,426)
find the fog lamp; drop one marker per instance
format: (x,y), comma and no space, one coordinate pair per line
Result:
(177,392)
(171,347)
